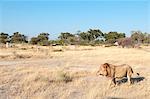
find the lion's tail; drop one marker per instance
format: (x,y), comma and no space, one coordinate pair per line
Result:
(138,74)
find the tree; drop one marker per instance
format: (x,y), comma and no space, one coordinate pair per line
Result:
(43,36)
(146,38)
(4,37)
(112,37)
(66,37)
(84,36)
(18,38)
(41,39)
(34,40)
(92,36)
(137,37)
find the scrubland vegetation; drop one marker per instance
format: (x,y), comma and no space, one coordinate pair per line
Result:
(91,37)
(65,68)
(69,72)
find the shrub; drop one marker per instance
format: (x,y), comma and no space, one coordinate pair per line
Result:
(125,42)
(63,76)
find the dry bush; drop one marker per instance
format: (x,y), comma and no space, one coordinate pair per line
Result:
(26,81)
(57,50)
(63,76)
(15,55)
(23,48)
(4,56)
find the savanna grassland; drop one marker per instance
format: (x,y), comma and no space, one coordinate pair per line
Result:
(69,72)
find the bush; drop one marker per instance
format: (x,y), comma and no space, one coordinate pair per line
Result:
(34,40)
(44,43)
(18,38)
(63,76)
(41,39)
(125,42)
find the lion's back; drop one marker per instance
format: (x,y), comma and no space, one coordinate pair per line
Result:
(122,70)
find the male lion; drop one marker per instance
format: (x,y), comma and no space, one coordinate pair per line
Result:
(113,72)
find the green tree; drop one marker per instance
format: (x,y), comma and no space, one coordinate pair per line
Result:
(84,36)
(18,38)
(43,36)
(4,37)
(66,38)
(41,39)
(34,40)
(146,38)
(92,36)
(65,35)
(112,37)
(137,37)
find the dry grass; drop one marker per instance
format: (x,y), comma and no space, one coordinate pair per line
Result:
(70,74)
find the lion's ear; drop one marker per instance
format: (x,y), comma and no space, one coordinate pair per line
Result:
(105,65)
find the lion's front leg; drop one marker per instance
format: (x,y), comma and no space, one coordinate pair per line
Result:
(112,81)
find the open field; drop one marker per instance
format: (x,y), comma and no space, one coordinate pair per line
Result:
(31,72)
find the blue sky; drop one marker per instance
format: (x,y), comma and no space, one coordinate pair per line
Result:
(36,16)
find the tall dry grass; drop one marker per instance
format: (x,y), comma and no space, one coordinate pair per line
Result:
(70,74)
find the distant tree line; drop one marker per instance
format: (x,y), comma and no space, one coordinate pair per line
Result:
(90,37)
(15,38)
